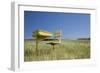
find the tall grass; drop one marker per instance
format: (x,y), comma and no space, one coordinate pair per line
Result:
(68,49)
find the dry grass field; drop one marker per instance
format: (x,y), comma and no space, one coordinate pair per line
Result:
(68,49)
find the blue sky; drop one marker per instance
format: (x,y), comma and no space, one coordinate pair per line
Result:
(72,25)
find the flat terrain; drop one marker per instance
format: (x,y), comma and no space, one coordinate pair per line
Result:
(68,49)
